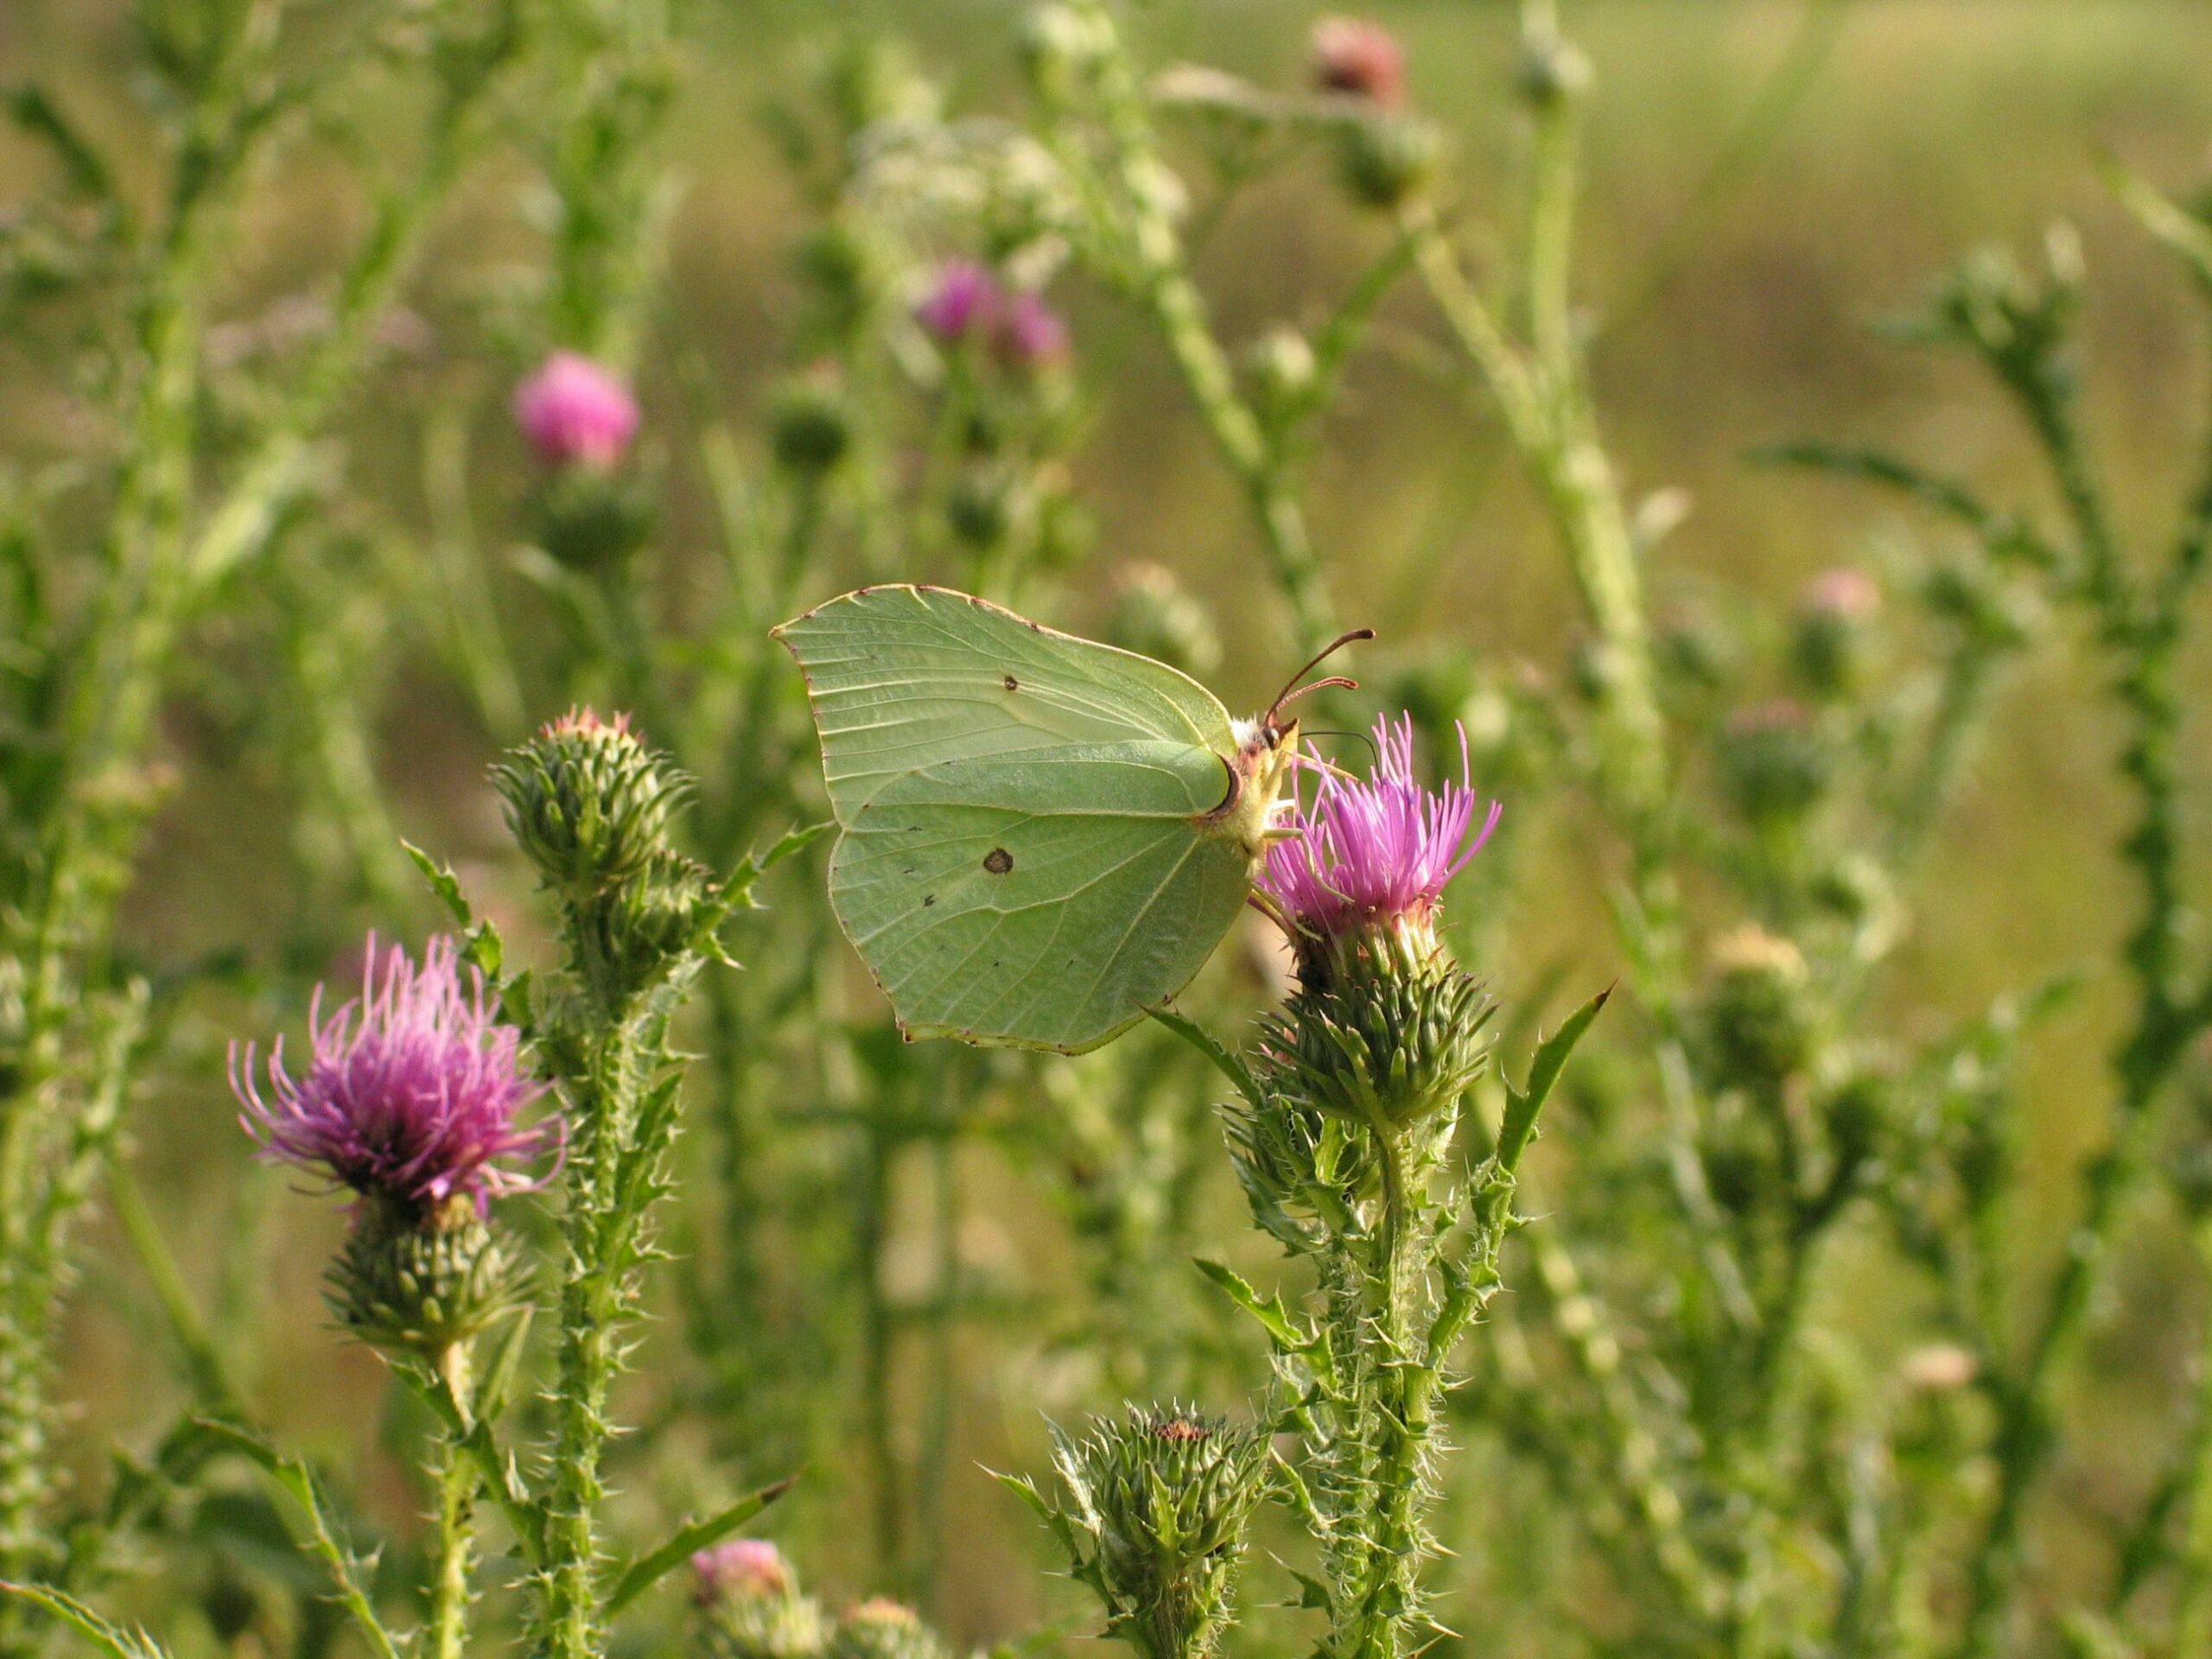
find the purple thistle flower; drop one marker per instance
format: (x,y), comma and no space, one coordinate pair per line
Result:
(1028,333)
(1378,852)
(411,1094)
(964,297)
(572,412)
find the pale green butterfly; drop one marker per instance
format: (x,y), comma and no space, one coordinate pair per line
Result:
(1043,836)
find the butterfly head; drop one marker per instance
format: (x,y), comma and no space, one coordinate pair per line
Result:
(1266,753)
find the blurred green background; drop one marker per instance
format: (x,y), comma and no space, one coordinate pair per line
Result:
(1763,178)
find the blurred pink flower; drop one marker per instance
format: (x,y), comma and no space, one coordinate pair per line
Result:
(1028,333)
(740,1568)
(1843,592)
(964,298)
(1361,59)
(574,413)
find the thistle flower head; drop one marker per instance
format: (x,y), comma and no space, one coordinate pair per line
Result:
(412,1092)
(740,1568)
(1375,854)
(1363,60)
(575,413)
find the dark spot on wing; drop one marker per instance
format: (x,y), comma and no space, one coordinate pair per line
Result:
(998,860)
(1013,685)
(928,899)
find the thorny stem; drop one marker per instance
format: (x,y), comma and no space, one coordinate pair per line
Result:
(2140,637)
(603,1220)
(453,1538)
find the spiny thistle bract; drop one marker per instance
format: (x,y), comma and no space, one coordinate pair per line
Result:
(587,802)
(424,1283)
(1165,1499)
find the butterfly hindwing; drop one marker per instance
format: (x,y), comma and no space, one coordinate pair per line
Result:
(1050,924)
(1023,860)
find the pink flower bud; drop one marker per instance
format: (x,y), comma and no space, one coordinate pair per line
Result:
(1852,595)
(964,298)
(1028,333)
(574,413)
(1360,59)
(740,1568)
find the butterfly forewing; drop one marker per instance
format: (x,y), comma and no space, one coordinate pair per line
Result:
(1025,860)
(907,677)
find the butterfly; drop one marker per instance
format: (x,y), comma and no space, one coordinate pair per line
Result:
(1042,836)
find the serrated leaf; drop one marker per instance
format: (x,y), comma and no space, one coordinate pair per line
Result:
(1273,1318)
(1521,1105)
(294,1478)
(2001,532)
(112,1639)
(444,885)
(648,1570)
(791,842)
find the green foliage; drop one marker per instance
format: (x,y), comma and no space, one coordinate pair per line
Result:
(1864,1260)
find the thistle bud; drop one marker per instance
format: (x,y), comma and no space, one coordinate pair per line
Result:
(1155,616)
(882,1629)
(977,508)
(1167,1499)
(1387,160)
(407,1280)
(587,802)
(1059,45)
(750,1607)
(1833,637)
(1774,764)
(809,427)
(1757,1012)
(1281,368)
(1387,1027)
(1553,70)
(590,520)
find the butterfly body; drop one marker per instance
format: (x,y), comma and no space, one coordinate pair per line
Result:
(1043,836)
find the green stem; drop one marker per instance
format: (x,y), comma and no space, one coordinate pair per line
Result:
(1164,286)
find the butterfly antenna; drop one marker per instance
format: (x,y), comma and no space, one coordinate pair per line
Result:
(1293,691)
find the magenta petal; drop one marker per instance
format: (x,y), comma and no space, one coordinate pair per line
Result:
(1369,852)
(410,1093)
